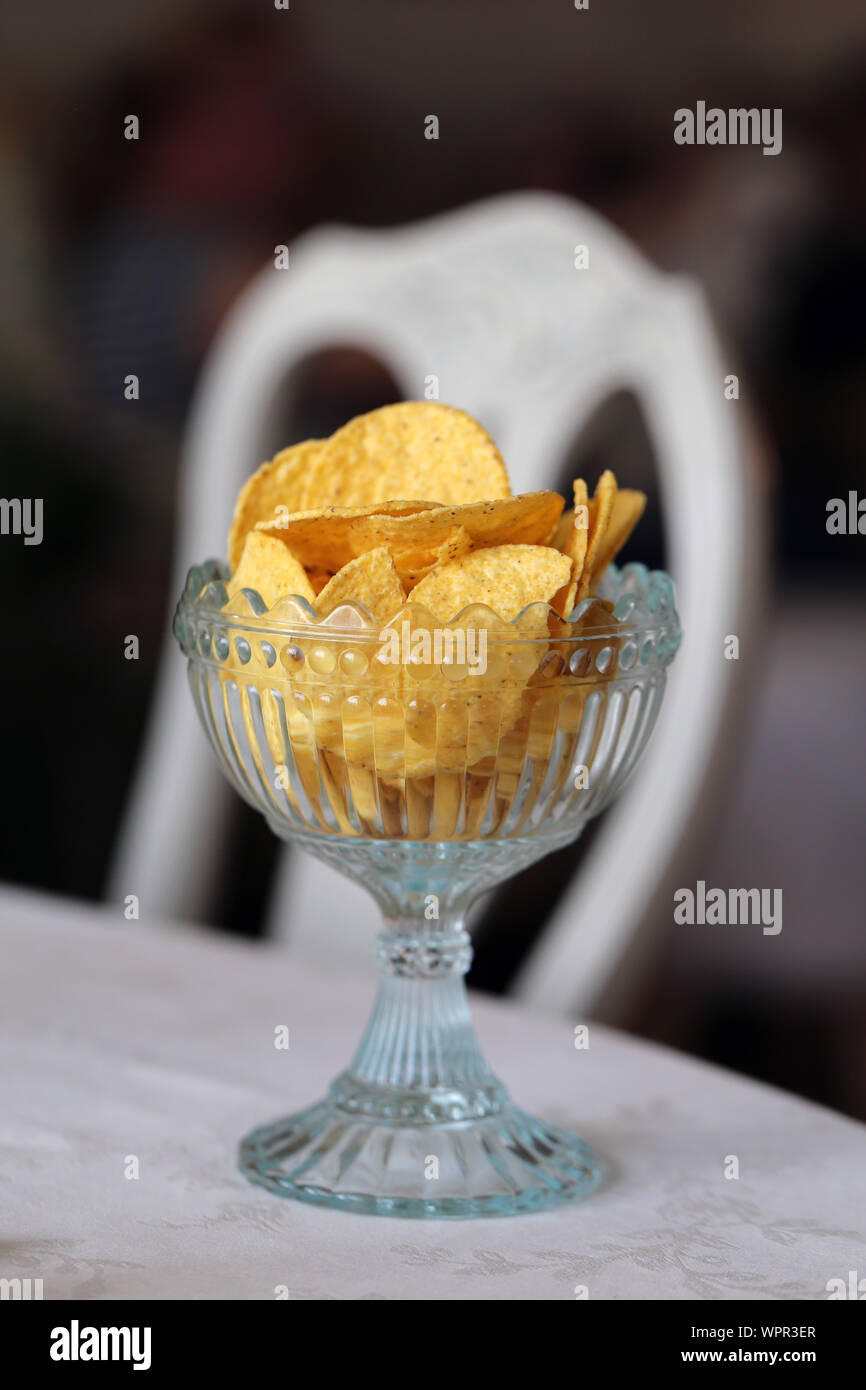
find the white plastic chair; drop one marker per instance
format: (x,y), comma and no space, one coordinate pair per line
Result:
(490,301)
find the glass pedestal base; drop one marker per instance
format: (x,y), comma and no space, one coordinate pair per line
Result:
(418,1124)
(500,1165)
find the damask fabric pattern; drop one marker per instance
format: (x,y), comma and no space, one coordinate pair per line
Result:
(131,1040)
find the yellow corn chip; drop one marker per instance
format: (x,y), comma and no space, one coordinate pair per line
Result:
(463,682)
(600,510)
(505,577)
(412,567)
(279,483)
(370,579)
(420,724)
(324,537)
(562,530)
(420,448)
(574,545)
(270,568)
(524,520)
(628,508)
(414,531)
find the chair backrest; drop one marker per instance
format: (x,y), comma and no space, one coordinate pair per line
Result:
(528,311)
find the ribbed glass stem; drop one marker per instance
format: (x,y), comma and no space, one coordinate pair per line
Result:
(419,1058)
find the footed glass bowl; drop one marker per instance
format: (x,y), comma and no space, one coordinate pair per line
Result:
(429,762)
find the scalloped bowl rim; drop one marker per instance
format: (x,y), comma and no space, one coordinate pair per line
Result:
(654,583)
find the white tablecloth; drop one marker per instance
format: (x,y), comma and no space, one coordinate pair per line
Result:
(120,1039)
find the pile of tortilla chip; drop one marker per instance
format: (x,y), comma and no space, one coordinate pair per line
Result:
(406,515)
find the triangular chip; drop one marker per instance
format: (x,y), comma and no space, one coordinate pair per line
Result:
(370,579)
(270,568)
(504,577)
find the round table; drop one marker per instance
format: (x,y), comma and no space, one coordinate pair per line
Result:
(141,1052)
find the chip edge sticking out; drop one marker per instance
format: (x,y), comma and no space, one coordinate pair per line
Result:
(574,547)
(373,581)
(269,567)
(281,480)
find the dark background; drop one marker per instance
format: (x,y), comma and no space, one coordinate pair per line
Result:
(257,124)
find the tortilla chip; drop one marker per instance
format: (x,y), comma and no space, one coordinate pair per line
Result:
(413,566)
(600,510)
(562,530)
(324,537)
(279,483)
(414,532)
(270,568)
(628,508)
(504,577)
(416,448)
(426,734)
(574,546)
(370,579)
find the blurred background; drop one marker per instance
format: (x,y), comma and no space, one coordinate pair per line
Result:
(120,256)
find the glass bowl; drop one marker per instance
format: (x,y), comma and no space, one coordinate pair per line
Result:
(427,761)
